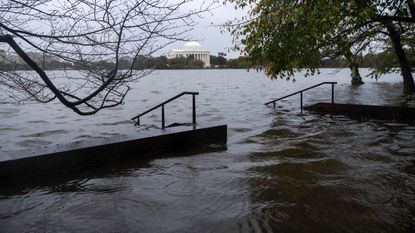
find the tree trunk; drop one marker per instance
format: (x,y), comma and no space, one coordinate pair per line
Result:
(354,68)
(356,78)
(408,80)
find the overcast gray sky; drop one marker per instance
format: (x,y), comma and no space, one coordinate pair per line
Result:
(207,34)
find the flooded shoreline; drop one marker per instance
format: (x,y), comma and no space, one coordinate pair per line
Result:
(282,171)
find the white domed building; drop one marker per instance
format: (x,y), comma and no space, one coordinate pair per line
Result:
(193,49)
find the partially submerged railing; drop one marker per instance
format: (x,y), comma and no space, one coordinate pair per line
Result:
(301,94)
(137,118)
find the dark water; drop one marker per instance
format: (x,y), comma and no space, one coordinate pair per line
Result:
(281,171)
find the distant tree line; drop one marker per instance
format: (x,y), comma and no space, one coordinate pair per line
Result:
(380,62)
(219,62)
(184,63)
(141,63)
(47,65)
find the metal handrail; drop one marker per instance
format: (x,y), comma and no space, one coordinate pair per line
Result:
(301,94)
(137,118)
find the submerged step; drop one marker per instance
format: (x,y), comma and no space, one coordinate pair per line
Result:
(360,111)
(61,158)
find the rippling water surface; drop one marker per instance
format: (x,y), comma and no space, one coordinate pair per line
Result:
(281,171)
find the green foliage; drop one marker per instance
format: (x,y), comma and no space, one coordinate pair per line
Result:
(285,36)
(238,63)
(185,63)
(282,37)
(386,62)
(217,61)
(145,62)
(195,64)
(177,63)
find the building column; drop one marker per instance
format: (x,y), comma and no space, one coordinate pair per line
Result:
(208,59)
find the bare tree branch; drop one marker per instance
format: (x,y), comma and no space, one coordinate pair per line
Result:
(91,36)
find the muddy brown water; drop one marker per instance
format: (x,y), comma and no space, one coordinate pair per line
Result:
(281,171)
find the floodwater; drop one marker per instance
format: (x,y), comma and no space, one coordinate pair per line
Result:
(281,171)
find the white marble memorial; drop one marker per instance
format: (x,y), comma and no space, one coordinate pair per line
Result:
(192,49)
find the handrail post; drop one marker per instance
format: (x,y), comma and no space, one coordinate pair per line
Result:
(301,94)
(194,109)
(163,120)
(301,101)
(162,117)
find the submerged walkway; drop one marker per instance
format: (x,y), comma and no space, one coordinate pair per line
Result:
(61,158)
(360,111)
(354,111)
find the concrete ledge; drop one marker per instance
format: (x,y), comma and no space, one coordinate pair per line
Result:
(61,158)
(357,111)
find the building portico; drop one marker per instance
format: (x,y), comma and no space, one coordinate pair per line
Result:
(193,49)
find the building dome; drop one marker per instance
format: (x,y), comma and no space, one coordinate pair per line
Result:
(193,46)
(191,49)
